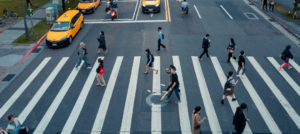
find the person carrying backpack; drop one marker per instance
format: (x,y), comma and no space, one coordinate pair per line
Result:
(160,39)
(229,87)
(100,71)
(150,60)
(286,55)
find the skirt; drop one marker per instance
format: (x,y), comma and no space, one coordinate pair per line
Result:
(228,92)
(103,47)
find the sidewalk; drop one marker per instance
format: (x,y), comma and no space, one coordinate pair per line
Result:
(288,5)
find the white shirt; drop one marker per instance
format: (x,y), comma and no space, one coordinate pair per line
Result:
(184,4)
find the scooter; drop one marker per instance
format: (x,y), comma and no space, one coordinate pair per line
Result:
(113,14)
(108,4)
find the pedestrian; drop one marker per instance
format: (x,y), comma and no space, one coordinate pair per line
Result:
(81,55)
(265,4)
(102,43)
(160,39)
(285,56)
(271,5)
(205,46)
(100,71)
(240,118)
(231,48)
(174,85)
(169,72)
(196,122)
(14,126)
(2,131)
(150,59)
(241,64)
(85,54)
(229,87)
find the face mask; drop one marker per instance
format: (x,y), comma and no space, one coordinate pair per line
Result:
(171,72)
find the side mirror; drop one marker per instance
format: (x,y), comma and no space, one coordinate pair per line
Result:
(72,27)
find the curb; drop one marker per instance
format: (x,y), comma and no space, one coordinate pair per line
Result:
(277,21)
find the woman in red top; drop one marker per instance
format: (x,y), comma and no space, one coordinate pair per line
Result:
(100,72)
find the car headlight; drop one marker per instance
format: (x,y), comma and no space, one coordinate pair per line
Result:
(47,38)
(64,38)
(144,5)
(156,5)
(90,8)
(78,8)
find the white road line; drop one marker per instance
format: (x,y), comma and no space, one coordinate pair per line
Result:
(284,74)
(137,2)
(184,119)
(80,101)
(137,14)
(137,21)
(99,121)
(129,104)
(226,12)
(295,65)
(22,117)
(285,104)
(22,88)
(259,103)
(209,107)
(197,11)
(59,97)
(223,79)
(156,111)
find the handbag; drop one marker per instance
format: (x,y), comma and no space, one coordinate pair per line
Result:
(231,51)
(102,71)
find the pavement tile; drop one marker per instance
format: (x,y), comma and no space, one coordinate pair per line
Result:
(10,60)
(3,70)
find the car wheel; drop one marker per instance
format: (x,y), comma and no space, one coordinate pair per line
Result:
(70,40)
(94,9)
(82,25)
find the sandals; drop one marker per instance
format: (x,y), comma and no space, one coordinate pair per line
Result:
(98,84)
(103,85)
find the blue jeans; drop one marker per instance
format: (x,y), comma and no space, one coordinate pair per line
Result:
(84,59)
(176,92)
(236,132)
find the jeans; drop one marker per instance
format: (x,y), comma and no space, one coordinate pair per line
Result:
(205,50)
(236,132)
(239,69)
(84,59)
(159,44)
(176,92)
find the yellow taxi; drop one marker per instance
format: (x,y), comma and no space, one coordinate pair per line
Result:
(64,29)
(151,6)
(88,6)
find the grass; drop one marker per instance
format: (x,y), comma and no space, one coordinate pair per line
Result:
(41,28)
(285,12)
(16,6)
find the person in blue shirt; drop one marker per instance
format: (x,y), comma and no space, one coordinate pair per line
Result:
(114,6)
(231,48)
(184,5)
(14,125)
(160,39)
(150,59)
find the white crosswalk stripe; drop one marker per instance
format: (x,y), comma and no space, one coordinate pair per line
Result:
(295,65)
(156,110)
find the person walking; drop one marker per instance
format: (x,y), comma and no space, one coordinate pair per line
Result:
(170,73)
(231,48)
(285,56)
(205,46)
(150,59)
(85,54)
(239,119)
(265,4)
(174,85)
(81,55)
(271,5)
(160,39)
(100,71)
(102,43)
(229,87)
(196,122)
(14,125)
(241,64)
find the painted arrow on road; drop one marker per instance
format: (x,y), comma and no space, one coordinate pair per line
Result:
(151,14)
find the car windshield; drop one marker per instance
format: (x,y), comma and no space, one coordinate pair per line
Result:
(86,1)
(60,26)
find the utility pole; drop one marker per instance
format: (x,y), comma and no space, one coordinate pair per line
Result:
(25,24)
(63,5)
(30,13)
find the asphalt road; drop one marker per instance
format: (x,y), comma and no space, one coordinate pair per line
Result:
(271,109)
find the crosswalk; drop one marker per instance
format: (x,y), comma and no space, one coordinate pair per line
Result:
(157,120)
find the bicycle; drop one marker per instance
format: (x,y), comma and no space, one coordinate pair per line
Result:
(184,10)
(2,23)
(7,15)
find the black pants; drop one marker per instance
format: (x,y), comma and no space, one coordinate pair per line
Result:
(265,5)
(271,7)
(205,50)
(229,56)
(187,9)
(159,44)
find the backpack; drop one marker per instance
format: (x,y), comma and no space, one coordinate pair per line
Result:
(163,36)
(283,57)
(152,57)
(228,85)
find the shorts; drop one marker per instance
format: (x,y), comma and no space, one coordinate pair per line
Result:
(150,64)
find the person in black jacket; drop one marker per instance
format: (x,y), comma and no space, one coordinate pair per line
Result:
(265,4)
(205,46)
(286,55)
(102,43)
(239,119)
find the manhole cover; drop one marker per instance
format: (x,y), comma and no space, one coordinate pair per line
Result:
(154,99)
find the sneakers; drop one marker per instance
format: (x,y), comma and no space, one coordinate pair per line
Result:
(157,50)
(166,100)
(178,101)
(76,68)
(200,59)
(279,69)
(222,102)
(89,68)
(234,99)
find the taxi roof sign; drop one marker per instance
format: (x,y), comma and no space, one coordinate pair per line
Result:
(66,15)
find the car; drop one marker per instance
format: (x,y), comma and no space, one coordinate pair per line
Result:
(88,6)
(151,6)
(64,29)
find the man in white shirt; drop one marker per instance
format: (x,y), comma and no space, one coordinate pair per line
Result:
(184,5)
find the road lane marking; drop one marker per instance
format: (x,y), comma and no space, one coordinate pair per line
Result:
(259,103)
(169,11)
(100,118)
(137,21)
(295,65)
(184,119)
(156,111)
(59,97)
(283,101)
(140,6)
(284,74)
(223,79)
(209,107)
(129,103)
(197,11)
(22,88)
(151,14)
(226,12)
(137,2)
(166,10)
(80,101)
(254,16)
